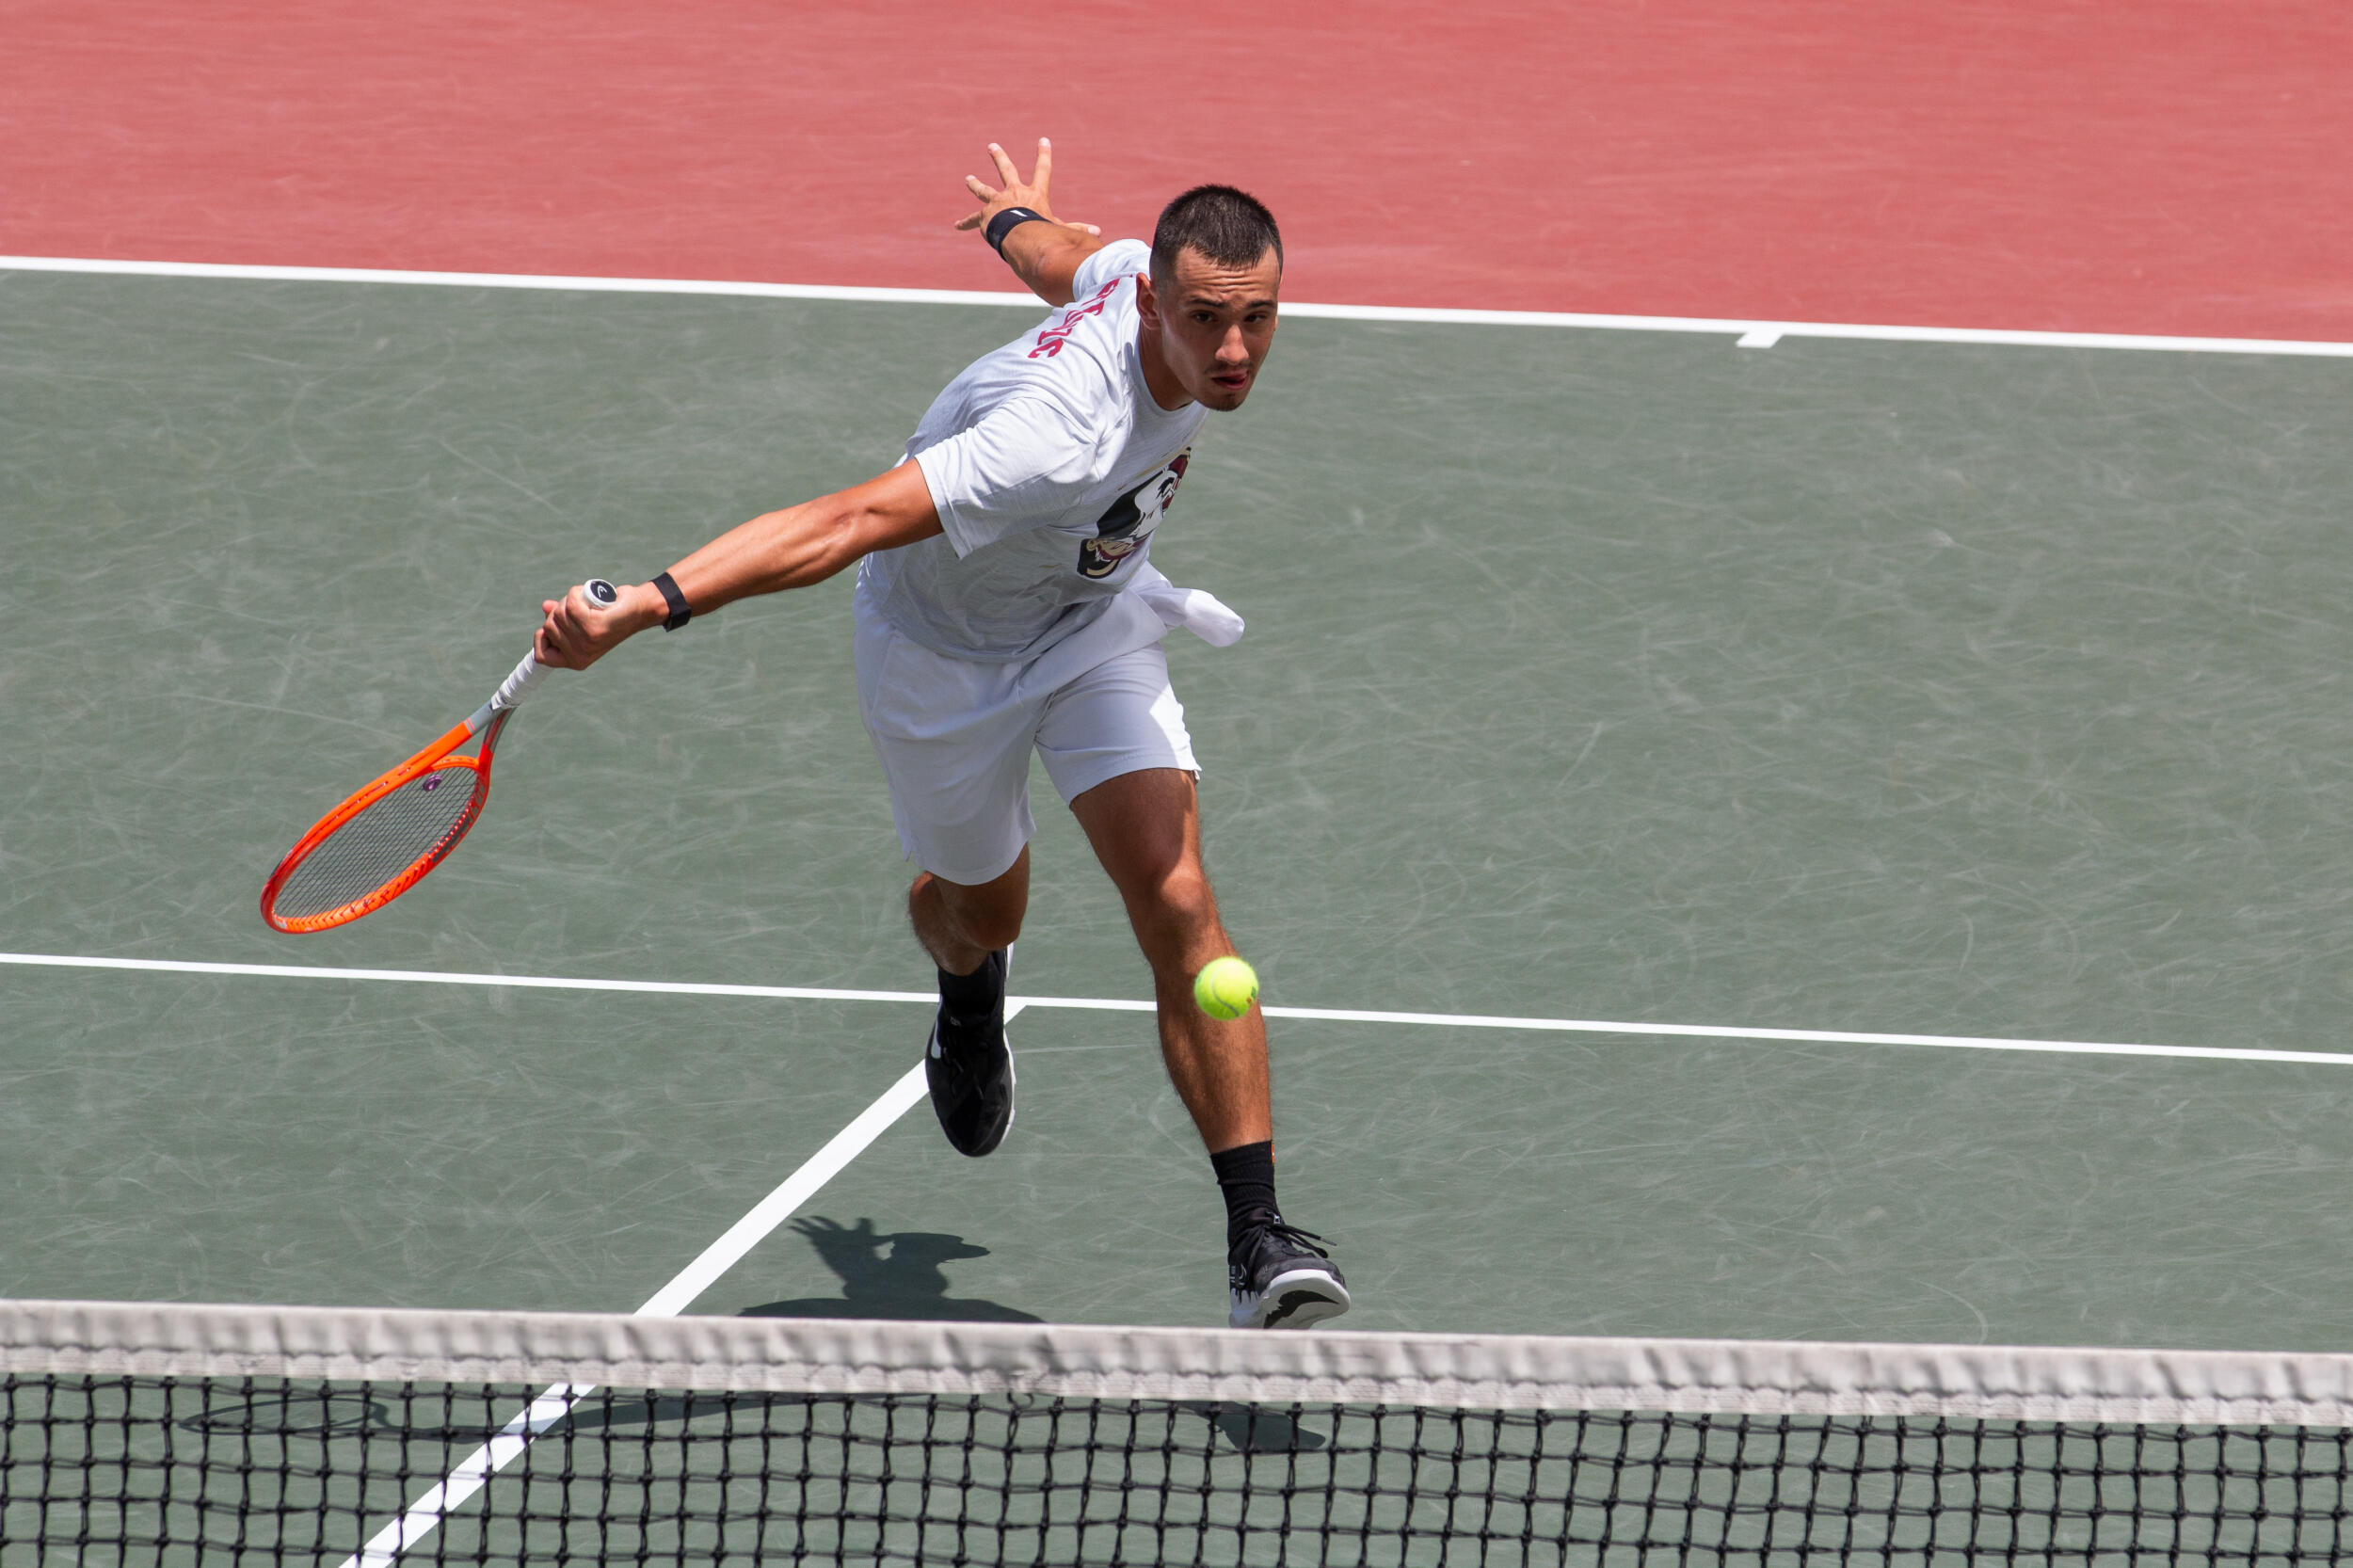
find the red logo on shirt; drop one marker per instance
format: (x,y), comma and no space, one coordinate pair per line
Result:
(1049,341)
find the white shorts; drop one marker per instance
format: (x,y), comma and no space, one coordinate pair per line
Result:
(955,738)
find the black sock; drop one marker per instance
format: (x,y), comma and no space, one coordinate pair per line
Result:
(973,998)
(1246,1176)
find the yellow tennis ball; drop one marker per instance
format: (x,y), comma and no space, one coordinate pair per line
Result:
(1226,988)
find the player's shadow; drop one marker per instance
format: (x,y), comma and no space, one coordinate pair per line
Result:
(889,1274)
(884,1274)
(899,1274)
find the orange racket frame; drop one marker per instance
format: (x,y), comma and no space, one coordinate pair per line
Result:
(432,756)
(486,720)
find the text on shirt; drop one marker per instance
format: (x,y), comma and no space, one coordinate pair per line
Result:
(1049,341)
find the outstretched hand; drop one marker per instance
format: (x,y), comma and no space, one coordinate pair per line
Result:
(1018,192)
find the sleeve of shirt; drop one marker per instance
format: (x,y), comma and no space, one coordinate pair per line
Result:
(1021,467)
(1119,259)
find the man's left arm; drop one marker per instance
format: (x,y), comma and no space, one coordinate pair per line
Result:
(1045,252)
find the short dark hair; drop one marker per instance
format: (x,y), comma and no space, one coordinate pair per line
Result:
(1230,227)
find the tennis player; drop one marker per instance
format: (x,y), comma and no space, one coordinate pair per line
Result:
(1006,601)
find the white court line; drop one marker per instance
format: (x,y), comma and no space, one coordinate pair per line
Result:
(1750,334)
(520,280)
(474,1471)
(1106,1004)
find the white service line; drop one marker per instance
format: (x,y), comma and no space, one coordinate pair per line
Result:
(471,1474)
(1110,1005)
(1750,334)
(431,977)
(798,1187)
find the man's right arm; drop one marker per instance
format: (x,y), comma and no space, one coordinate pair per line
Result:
(789,549)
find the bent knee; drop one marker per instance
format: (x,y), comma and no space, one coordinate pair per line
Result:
(1178,907)
(988,916)
(991,930)
(987,923)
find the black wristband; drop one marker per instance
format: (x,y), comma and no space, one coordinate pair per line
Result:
(675,599)
(1006,222)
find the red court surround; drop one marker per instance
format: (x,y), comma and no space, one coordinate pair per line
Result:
(2150,165)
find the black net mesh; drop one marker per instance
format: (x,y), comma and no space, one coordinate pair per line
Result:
(118,1470)
(422,818)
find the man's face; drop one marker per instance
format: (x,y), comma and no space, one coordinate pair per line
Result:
(1214,324)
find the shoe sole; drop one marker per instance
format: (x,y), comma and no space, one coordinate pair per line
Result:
(1300,1299)
(1013,1078)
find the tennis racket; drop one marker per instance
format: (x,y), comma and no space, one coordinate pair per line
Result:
(381,841)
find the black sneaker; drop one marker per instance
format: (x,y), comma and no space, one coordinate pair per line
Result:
(1279,1279)
(969,1067)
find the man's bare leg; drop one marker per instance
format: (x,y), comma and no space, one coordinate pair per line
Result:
(960,924)
(966,1061)
(1146,828)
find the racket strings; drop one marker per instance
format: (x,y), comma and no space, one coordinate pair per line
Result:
(419,822)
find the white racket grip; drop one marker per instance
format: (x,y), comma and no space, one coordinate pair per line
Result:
(518,685)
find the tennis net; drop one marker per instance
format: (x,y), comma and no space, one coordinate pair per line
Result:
(140,1434)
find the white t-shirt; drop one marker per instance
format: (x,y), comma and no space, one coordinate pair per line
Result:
(1050,466)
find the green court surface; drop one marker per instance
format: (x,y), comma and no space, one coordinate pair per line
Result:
(1987,692)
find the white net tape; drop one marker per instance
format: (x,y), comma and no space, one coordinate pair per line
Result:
(1477,1371)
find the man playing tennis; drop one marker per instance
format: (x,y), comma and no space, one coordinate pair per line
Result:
(1006,601)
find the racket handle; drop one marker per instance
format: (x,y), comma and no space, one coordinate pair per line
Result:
(528,674)
(517,686)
